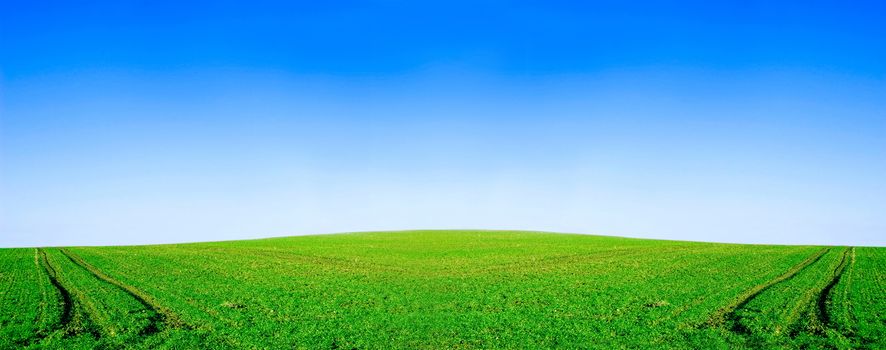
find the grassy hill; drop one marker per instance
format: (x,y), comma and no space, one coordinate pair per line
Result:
(443,289)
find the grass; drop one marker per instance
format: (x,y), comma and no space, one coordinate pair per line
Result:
(443,289)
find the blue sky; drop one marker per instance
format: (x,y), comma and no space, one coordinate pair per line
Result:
(132,122)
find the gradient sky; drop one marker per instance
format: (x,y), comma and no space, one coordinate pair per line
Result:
(128,122)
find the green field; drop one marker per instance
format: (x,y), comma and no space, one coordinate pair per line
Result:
(443,289)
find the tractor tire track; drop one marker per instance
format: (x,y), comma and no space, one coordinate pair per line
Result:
(71,315)
(816,309)
(66,302)
(730,312)
(824,297)
(161,317)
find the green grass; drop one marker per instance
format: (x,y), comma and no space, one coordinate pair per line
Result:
(31,307)
(443,289)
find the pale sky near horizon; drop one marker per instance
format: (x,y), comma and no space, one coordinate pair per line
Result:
(127,123)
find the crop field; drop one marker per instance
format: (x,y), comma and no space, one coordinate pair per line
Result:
(443,289)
